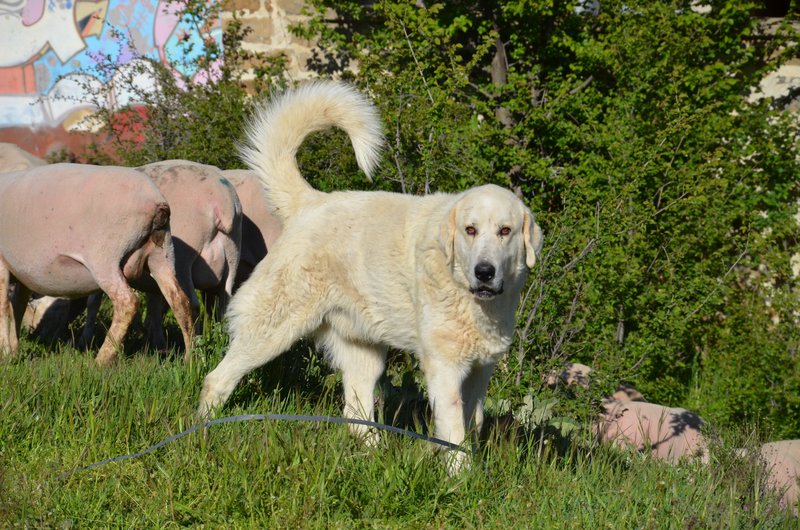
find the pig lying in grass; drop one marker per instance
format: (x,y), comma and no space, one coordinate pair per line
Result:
(69,230)
(667,433)
(206,226)
(260,229)
(627,420)
(782,461)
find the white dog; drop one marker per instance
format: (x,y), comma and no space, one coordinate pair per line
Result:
(439,275)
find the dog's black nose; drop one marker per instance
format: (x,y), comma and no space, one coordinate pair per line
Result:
(484,271)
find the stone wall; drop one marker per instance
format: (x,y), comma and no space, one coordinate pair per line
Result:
(270,21)
(783,82)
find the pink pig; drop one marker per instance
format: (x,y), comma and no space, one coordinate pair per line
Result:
(783,467)
(666,433)
(69,230)
(206,226)
(260,229)
(13,158)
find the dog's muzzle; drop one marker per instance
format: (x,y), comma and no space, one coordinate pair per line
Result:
(484,292)
(488,286)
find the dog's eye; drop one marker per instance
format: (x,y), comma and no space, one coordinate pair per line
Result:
(471,230)
(504,231)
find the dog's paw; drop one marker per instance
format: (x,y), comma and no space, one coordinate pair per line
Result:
(369,436)
(456,462)
(205,411)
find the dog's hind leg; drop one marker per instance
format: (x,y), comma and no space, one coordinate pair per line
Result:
(245,353)
(361,364)
(264,321)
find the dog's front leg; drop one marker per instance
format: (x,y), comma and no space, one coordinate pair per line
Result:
(445,381)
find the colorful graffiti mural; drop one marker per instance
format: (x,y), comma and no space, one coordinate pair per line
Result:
(50,51)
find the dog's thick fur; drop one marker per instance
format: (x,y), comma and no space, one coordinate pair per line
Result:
(439,275)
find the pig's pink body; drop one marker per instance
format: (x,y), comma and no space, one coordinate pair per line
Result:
(206,229)
(667,433)
(206,223)
(783,467)
(70,230)
(260,229)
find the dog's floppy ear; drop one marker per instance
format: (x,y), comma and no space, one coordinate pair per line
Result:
(447,236)
(533,237)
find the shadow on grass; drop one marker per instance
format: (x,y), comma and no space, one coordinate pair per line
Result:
(300,375)
(62,325)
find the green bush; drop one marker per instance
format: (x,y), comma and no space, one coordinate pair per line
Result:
(667,199)
(659,187)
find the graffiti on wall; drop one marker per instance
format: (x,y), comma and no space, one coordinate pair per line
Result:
(50,51)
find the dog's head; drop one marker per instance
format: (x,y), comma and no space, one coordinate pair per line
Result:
(490,239)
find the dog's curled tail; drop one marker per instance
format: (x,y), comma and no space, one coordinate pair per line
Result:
(278,128)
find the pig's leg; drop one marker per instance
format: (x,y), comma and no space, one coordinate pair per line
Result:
(194,303)
(232,246)
(8,331)
(125,303)
(92,308)
(162,269)
(185,259)
(183,274)
(154,321)
(19,302)
(215,302)
(211,303)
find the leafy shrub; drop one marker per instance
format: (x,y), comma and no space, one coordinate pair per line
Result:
(667,199)
(659,187)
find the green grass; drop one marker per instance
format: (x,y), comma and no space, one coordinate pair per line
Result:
(58,411)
